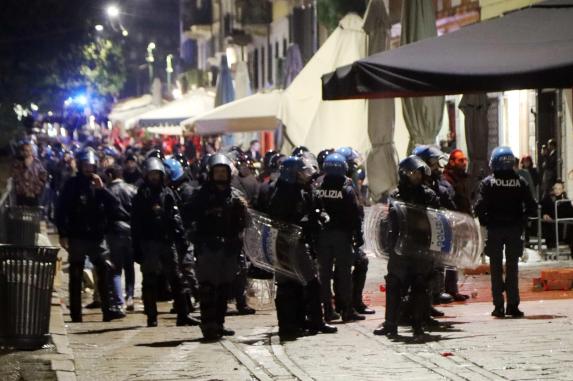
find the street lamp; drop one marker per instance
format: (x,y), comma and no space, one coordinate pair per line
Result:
(150,60)
(169,70)
(99,28)
(112,11)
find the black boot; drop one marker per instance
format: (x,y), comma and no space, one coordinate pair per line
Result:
(498,312)
(514,311)
(386,330)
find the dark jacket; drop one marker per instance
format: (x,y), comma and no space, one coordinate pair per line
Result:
(265,192)
(249,188)
(504,199)
(124,193)
(155,216)
(292,204)
(218,217)
(184,191)
(445,193)
(84,212)
(340,201)
(421,196)
(460,182)
(564,209)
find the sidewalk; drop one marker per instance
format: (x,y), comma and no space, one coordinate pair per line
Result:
(55,360)
(471,346)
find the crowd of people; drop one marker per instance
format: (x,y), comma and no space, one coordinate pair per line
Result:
(183,219)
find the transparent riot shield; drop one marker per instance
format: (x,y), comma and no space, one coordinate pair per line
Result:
(375,228)
(279,247)
(452,238)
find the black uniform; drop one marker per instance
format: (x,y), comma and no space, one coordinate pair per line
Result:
(184,191)
(407,272)
(292,204)
(504,202)
(219,217)
(158,236)
(337,239)
(446,194)
(82,217)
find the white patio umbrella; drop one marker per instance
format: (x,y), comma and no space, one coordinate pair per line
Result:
(258,112)
(171,114)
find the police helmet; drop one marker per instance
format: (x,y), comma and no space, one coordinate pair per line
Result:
(156,152)
(335,165)
(244,159)
(322,156)
(153,164)
(181,159)
(276,161)
(218,159)
(174,169)
(348,152)
(502,159)
(310,163)
(299,150)
(110,151)
(290,168)
(431,155)
(88,155)
(267,158)
(411,164)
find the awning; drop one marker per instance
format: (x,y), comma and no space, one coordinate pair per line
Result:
(527,49)
(196,103)
(256,112)
(166,130)
(127,111)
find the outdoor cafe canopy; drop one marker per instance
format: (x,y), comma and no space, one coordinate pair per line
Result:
(526,49)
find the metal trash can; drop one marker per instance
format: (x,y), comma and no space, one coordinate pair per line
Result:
(23,225)
(26,280)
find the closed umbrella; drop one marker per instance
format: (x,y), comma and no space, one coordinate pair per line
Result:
(423,116)
(318,124)
(474,107)
(242,90)
(381,160)
(225,93)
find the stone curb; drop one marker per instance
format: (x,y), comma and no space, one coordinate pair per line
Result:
(64,363)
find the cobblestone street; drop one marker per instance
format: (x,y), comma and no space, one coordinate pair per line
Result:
(471,345)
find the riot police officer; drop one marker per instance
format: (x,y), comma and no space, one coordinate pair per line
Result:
(157,236)
(406,272)
(361,262)
(268,185)
(183,189)
(82,217)
(339,237)
(219,217)
(293,202)
(436,160)
(504,202)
